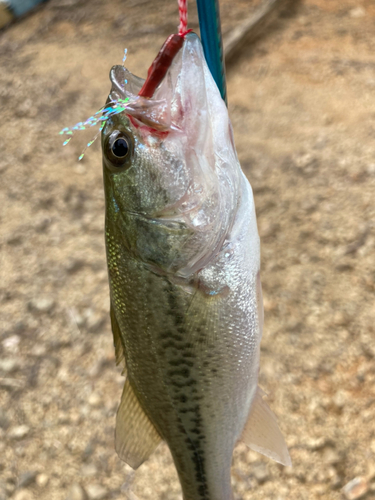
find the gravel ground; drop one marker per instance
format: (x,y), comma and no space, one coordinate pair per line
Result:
(302,106)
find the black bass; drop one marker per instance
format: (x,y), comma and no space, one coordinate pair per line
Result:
(183,259)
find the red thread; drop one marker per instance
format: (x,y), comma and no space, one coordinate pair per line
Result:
(182,9)
(163,60)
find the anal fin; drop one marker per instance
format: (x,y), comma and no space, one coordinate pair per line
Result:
(262,434)
(136,436)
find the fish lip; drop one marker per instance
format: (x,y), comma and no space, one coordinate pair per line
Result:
(119,74)
(151,115)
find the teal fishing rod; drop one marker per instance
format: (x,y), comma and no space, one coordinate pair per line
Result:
(212,41)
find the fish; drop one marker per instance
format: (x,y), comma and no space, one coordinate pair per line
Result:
(183,256)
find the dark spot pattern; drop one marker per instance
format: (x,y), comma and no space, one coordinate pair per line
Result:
(181,359)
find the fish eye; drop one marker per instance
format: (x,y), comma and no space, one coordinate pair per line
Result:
(118,149)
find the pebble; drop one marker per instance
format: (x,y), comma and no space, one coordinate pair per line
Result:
(41,305)
(96,492)
(341,318)
(39,350)
(60,343)
(306,164)
(96,369)
(344,266)
(309,205)
(357,488)
(76,492)
(331,457)
(357,12)
(15,240)
(11,343)
(42,225)
(42,480)
(74,418)
(269,304)
(261,473)
(89,450)
(63,374)
(316,444)
(289,471)
(18,432)
(95,400)
(11,383)
(320,490)
(8,365)
(27,478)
(23,495)
(79,320)
(334,478)
(268,229)
(21,327)
(89,470)
(293,325)
(85,410)
(339,399)
(10,485)
(300,475)
(63,418)
(74,266)
(95,321)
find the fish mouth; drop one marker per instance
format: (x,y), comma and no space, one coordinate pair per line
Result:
(144,111)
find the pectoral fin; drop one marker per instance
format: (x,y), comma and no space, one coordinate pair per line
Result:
(136,437)
(262,434)
(117,340)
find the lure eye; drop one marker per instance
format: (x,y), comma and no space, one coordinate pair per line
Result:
(118,149)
